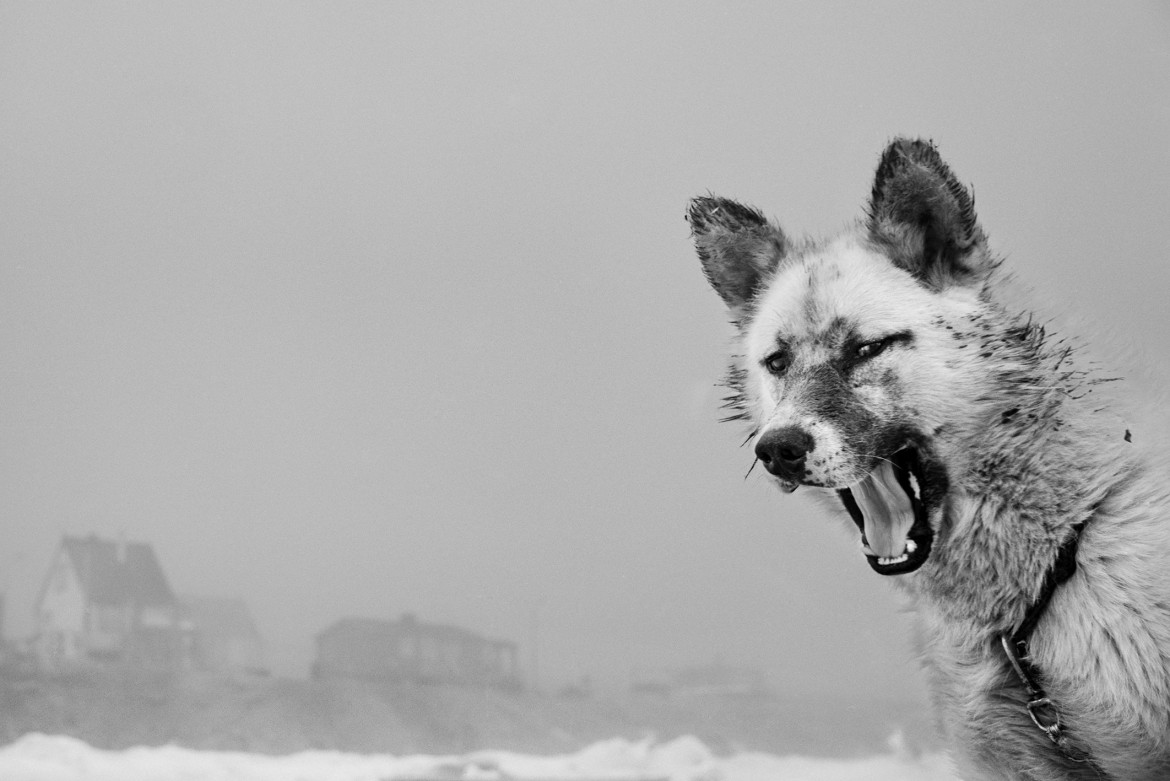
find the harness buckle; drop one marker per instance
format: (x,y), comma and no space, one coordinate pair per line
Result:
(1040,708)
(1047,718)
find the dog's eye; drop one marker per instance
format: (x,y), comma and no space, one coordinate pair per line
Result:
(777,362)
(874,348)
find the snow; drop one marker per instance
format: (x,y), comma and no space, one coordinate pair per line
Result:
(37,757)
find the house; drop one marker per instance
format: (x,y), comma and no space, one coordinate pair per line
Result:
(222,635)
(106,601)
(411,650)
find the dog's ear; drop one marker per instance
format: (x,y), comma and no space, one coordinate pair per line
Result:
(738,247)
(924,219)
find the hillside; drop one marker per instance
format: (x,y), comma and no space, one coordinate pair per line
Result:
(273,715)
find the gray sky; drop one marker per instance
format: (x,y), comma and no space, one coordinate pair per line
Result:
(353,309)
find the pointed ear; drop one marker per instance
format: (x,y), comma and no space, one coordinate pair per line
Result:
(924,218)
(738,247)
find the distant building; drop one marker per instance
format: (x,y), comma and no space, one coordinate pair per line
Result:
(106,601)
(222,637)
(411,650)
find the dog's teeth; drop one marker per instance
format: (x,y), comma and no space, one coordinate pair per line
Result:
(911,546)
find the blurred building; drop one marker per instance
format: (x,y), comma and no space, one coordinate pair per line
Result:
(412,650)
(221,635)
(106,601)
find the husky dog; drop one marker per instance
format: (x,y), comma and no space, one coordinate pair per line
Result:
(1026,522)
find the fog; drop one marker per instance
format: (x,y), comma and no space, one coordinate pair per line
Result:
(371,308)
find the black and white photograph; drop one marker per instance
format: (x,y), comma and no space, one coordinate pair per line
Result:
(584,391)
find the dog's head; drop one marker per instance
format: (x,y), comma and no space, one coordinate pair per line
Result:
(850,370)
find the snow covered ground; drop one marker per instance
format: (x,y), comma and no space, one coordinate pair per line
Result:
(38,757)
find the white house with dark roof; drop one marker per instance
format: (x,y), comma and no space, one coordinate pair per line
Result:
(413,650)
(107,601)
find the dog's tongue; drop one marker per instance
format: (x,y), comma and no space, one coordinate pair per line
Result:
(886,510)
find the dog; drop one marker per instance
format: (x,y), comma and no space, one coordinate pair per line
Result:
(1028,524)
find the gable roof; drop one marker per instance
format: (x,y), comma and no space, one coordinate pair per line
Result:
(114,573)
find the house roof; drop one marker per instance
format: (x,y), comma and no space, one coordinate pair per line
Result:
(220,616)
(408,625)
(113,573)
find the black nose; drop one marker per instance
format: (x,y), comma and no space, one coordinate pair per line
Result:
(782,451)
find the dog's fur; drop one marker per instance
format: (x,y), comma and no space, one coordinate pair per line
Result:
(891,344)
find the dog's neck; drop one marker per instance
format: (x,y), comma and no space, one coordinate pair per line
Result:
(977,574)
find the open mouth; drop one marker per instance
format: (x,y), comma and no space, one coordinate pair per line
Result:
(889,509)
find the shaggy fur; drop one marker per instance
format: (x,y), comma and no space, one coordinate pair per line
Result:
(881,369)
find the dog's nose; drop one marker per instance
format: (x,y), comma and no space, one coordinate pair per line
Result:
(783,450)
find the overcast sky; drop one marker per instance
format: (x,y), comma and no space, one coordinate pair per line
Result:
(363,308)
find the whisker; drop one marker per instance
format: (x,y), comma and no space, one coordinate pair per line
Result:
(750,468)
(876,457)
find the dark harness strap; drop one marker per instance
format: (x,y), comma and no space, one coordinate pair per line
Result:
(1043,711)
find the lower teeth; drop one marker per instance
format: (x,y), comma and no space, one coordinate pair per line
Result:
(911,546)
